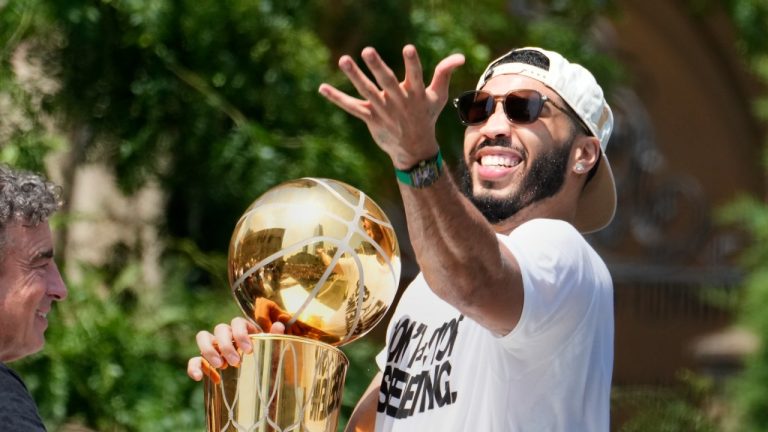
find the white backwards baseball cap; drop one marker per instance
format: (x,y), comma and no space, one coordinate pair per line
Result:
(579,89)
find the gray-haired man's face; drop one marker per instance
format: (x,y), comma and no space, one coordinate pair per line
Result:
(29,284)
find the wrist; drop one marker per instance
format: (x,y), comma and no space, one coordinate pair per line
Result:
(422,174)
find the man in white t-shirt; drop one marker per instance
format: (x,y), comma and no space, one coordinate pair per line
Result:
(509,327)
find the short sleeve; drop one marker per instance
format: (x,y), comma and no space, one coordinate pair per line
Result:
(561,274)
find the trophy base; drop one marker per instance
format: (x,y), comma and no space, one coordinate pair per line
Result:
(286,384)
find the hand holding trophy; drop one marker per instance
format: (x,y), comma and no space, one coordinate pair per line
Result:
(322,258)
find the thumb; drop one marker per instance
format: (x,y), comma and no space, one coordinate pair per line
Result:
(443,71)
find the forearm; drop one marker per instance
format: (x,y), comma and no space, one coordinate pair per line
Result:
(363,418)
(460,256)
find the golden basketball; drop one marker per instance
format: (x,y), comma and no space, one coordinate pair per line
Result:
(318,255)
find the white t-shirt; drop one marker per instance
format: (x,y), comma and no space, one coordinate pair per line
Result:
(444,372)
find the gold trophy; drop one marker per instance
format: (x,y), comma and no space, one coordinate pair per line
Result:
(321,257)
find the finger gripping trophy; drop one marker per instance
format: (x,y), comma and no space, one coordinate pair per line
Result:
(321,257)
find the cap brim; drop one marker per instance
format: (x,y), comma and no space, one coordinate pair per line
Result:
(597,204)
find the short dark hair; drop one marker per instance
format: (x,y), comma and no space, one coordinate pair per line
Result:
(531,57)
(25,197)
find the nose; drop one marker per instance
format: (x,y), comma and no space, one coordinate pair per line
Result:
(56,287)
(497,124)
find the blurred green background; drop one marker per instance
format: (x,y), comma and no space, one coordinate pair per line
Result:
(191,109)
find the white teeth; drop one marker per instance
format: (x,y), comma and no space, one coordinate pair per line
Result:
(498,160)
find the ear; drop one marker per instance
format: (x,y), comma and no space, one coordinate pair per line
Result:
(585,153)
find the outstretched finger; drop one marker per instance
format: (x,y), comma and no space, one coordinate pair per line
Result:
(364,86)
(353,106)
(414,73)
(383,73)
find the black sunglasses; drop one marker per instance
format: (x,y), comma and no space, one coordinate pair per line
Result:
(520,106)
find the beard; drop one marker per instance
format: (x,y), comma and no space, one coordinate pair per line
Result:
(544,179)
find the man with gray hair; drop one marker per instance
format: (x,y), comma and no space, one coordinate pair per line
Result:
(29,284)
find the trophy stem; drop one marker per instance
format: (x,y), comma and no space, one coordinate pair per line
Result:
(286,383)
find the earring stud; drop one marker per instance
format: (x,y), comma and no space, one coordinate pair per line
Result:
(579,167)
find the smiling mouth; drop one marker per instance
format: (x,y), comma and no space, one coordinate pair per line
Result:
(499,161)
(495,164)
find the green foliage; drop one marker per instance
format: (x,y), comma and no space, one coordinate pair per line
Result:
(666,409)
(663,410)
(752,216)
(750,19)
(24,136)
(228,89)
(749,392)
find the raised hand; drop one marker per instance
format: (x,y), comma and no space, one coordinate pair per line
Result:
(400,115)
